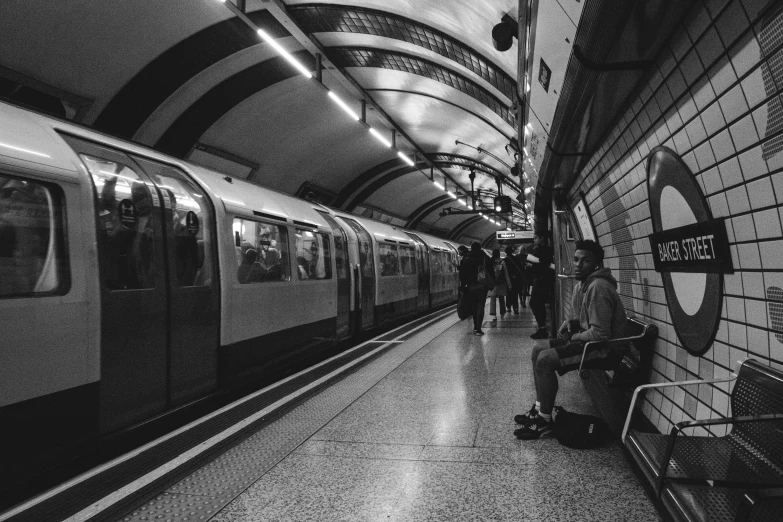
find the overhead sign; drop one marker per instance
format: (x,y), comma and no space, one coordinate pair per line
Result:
(700,247)
(544,75)
(514,234)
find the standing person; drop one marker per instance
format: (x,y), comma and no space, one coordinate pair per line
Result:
(540,256)
(468,277)
(597,315)
(502,284)
(516,275)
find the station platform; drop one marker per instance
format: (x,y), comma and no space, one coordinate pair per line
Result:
(420,429)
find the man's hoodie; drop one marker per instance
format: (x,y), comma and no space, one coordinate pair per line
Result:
(601,312)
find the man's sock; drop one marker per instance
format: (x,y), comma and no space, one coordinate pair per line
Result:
(546,416)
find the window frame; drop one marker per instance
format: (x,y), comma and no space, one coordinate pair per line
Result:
(280,226)
(57,214)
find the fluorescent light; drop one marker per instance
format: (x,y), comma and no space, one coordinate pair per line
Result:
(342,105)
(450,193)
(438,185)
(24,150)
(285,54)
(380,138)
(405,158)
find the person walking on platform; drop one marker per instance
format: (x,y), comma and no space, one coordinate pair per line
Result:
(502,286)
(597,315)
(516,275)
(468,277)
(541,257)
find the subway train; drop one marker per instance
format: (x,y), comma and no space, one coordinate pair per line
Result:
(133,283)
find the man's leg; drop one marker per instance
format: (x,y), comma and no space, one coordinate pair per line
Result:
(547,362)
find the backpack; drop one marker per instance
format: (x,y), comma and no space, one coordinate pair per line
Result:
(579,431)
(485,278)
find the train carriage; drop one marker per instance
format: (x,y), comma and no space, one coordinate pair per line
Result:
(133,284)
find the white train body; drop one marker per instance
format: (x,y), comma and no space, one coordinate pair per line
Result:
(132,282)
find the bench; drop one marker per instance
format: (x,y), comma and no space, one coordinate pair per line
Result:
(738,476)
(639,333)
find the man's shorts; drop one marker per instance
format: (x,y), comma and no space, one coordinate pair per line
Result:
(570,355)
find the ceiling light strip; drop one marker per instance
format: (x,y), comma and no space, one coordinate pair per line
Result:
(308,74)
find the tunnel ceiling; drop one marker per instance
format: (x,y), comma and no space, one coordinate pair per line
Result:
(193,79)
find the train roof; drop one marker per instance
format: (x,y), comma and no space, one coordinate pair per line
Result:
(381,231)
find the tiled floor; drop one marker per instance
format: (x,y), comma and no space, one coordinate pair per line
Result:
(433,440)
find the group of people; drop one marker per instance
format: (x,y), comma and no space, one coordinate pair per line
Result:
(597,314)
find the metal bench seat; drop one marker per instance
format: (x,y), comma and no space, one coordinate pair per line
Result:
(685,502)
(697,477)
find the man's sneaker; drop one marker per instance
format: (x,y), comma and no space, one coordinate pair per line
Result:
(537,429)
(525,418)
(478,332)
(541,333)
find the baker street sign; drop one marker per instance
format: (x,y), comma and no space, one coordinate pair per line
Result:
(699,247)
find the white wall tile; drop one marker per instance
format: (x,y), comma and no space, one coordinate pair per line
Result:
(756,312)
(733,103)
(749,258)
(743,132)
(761,193)
(772,254)
(744,228)
(753,87)
(738,200)
(752,163)
(730,172)
(745,54)
(752,284)
(722,145)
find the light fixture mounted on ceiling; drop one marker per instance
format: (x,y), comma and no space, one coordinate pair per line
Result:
(503,34)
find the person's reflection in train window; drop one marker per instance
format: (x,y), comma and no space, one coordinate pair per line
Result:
(268,256)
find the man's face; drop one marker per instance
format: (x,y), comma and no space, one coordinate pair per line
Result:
(265,242)
(314,250)
(585,264)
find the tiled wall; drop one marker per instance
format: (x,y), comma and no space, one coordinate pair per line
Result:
(715,98)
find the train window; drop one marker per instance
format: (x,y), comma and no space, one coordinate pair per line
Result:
(262,251)
(389,259)
(33,261)
(313,255)
(125,224)
(189,229)
(407,260)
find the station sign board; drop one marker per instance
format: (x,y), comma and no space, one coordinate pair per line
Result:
(514,234)
(699,247)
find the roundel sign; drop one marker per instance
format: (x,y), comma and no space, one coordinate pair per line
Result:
(690,249)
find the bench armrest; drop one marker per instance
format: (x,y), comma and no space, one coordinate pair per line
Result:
(644,387)
(649,330)
(745,419)
(677,429)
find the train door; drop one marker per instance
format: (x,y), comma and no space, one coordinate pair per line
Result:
(424,273)
(194,299)
(143,368)
(343,276)
(367,273)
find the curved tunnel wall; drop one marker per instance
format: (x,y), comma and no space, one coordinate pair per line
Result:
(714,97)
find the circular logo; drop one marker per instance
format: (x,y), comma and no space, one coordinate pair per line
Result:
(695,299)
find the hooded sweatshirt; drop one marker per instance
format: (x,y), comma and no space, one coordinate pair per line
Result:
(601,312)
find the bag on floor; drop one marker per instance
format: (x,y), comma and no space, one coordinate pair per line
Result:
(579,431)
(464,307)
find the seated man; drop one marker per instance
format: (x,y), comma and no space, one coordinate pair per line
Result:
(600,316)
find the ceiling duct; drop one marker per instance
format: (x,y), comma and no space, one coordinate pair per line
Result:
(615,44)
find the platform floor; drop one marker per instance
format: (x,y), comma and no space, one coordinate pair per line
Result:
(423,432)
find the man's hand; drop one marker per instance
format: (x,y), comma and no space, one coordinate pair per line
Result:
(563,332)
